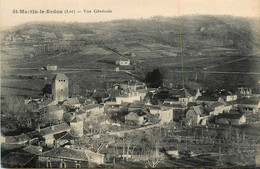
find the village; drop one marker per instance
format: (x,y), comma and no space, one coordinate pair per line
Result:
(134,124)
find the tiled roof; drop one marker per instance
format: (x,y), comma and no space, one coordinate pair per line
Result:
(198,109)
(17,159)
(172,99)
(16,139)
(229,116)
(175,92)
(137,104)
(53,108)
(191,104)
(63,135)
(207,98)
(67,153)
(217,104)
(185,94)
(73,100)
(90,106)
(61,76)
(33,149)
(51,130)
(252,101)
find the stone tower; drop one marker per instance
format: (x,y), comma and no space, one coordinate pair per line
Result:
(60,88)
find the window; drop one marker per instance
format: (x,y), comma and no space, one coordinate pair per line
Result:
(48,165)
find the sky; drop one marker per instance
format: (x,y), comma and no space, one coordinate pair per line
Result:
(121,9)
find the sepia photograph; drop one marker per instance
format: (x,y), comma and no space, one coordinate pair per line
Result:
(130,84)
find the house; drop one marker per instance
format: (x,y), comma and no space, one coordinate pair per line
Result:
(207,99)
(166,114)
(37,99)
(36,150)
(197,116)
(63,138)
(171,100)
(229,98)
(135,106)
(230,119)
(72,102)
(217,108)
(251,104)
(244,91)
(133,85)
(136,118)
(94,109)
(192,117)
(18,140)
(46,103)
(67,157)
(19,160)
(185,97)
(55,113)
(89,110)
(60,87)
(123,62)
(130,97)
(47,133)
(77,126)
(51,67)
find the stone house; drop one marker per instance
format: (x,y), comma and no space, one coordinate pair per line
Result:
(67,157)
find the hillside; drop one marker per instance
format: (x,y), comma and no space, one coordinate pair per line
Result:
(146,39)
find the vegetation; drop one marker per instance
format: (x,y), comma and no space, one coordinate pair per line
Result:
(154,79)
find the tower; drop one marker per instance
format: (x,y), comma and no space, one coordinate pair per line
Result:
(60,87)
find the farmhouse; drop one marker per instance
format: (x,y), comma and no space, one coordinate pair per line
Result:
(51,67)
(123,62)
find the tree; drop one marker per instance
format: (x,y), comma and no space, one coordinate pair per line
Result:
(154,79)
(155,157)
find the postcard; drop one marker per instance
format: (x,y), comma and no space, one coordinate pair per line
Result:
(130,84)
